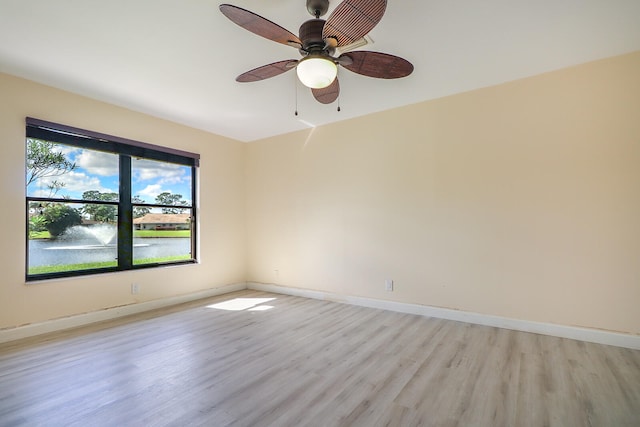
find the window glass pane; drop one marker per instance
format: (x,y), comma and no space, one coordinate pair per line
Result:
(162,237)
(63,238)
(64,171)
(161,183)
(74,185)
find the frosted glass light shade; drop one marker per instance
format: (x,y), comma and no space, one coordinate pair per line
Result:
(316,73)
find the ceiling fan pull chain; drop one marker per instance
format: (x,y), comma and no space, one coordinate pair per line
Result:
(295,86)
(338,100)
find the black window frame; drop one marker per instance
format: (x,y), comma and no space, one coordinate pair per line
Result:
(126,149)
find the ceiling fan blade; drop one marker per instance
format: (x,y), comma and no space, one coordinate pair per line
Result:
(352,20)
(328,94)
(260,26)
(267,71)
(353,46)
(376,64)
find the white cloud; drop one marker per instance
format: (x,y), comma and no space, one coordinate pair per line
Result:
(150,192)
(80,181)
(40,193)
(98,163)
(161,172)
(75,183)
(67,150)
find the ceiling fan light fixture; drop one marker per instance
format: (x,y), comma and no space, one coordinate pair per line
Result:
(316,72)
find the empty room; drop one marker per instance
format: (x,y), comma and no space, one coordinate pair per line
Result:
(320,213)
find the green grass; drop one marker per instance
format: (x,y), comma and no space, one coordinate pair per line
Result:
(39,235)
(70,267)
(46,269)
(163,259)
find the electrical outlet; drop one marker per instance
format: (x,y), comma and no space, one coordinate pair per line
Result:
(388,285)
(135,289)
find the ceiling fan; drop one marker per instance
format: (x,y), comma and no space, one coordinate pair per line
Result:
(319,42)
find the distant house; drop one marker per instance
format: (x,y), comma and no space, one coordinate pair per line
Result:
(155,221)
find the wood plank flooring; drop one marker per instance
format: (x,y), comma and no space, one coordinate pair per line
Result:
(292,361)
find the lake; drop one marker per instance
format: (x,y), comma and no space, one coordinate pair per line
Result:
(81,250)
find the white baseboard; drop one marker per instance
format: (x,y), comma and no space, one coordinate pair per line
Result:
(577,333)
(110,313)
(572,332)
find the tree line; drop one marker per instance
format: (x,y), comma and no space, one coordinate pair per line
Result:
(43,161)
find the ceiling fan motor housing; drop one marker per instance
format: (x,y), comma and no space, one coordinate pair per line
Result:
(311,36)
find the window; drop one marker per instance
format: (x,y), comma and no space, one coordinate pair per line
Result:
(98,203)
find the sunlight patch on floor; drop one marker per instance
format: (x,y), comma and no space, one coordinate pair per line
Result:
(261,308)
(239,304)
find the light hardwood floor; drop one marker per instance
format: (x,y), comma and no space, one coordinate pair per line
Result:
(306,362)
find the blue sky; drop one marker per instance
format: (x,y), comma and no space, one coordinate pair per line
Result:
(96,170)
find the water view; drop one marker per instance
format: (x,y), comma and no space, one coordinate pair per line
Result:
(98,243)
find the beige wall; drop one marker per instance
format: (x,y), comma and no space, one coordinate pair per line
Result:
(520,200)
(221,208)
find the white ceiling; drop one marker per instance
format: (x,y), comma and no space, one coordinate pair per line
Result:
(178,59)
